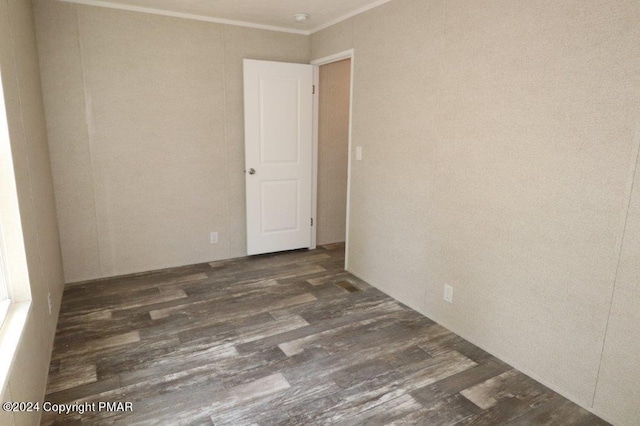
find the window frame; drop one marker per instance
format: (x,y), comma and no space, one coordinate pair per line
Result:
(14,269)
(5,291)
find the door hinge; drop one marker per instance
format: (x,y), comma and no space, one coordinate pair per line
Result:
(311,221)
(313,92)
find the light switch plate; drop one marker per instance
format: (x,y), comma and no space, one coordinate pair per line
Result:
(359,153)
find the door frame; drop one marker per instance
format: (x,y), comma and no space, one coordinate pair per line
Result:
(347,54)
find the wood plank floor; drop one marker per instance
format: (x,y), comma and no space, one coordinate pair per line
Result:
(287,338)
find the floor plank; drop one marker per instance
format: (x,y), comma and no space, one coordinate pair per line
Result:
(287,338)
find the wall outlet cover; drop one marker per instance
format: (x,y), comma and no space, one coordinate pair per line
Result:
(448,293)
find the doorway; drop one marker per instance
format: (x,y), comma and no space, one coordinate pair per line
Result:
(333,141)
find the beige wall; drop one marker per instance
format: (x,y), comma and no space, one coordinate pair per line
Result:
(333,149)
(499,150)
(21,83)
(146,134)
(618,393)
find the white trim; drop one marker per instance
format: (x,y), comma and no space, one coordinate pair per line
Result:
(5,289)
(5,293)
(5,304)
(347,54)
(10,334)
(349,15)
(314,158)
(153,11)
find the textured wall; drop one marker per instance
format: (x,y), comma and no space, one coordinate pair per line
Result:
(333,151)
(27,130)
(499,148)
(618,394)
(335,39)
(146,134)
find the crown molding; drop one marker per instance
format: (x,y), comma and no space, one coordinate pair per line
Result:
(349,15)
(153,11)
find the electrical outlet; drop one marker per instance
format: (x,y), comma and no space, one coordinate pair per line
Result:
(213,238)
(50,302)
(448,293)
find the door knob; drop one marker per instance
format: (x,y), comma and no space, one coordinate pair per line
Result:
(252,171)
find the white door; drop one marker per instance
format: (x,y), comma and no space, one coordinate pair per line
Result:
(278,113)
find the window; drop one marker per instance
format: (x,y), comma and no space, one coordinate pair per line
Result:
(15,291)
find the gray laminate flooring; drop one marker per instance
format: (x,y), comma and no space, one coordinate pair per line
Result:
(287,338)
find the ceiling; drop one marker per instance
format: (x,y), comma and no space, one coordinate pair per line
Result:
(269,14)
